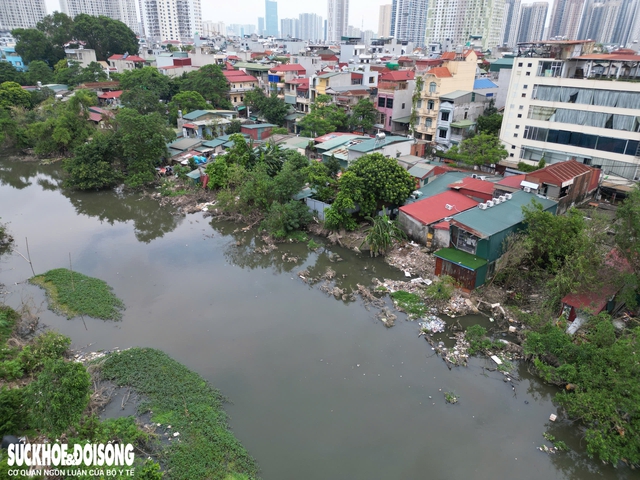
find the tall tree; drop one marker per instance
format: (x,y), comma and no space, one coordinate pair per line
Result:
(490,124)
(58,29)
(324,117)
(209,82)
(143,101)
(32,44)
(105,35)
(483,149)
(272,108)
(92,166)
(39,72)
(8,73)
(363,116)
(185,102)
(146,78)
(13,95)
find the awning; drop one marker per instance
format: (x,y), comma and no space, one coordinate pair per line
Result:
(241,107)
(463,124)
(402,119)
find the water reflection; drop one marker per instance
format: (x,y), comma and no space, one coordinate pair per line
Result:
(150,221)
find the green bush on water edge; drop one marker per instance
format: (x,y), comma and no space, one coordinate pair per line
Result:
(73,294)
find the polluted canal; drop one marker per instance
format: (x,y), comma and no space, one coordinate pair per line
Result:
(320,389)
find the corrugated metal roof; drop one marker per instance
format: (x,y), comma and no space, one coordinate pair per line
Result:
(441,183)
(499,217)
(461,258)
(434,209)
(558,173)
(512,181)
(336,142)
(473,185)
(371,144)
(481,83)
(420,170)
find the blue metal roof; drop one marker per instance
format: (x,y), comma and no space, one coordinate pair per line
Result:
(483,83)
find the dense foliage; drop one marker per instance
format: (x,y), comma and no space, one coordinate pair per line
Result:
(271,108)
(185,102)
(324,117)
(381,234)
(208,81)
(600,371)
(482,149)
(363,115)
(73,294)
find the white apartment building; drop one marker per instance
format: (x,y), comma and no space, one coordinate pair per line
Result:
(458,21)
(337,19)
(123,10)
(384,21)
(410,20)
(21,13)
(171,19)
(564,102)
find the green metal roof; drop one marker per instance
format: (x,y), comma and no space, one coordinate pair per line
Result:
(463,124)
(252,66)
(336,142)
(195,114)
(500,64)
(461,258)
(373,144)
(502,216)
(216,142)
(293,116)
(258,126)
(441,184)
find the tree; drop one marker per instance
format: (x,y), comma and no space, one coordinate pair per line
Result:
(185,102)
(92,166)
(381,234)
(146,78)
(57,27)
(483,149)
(235,126)
(324,117)
(92,73)
(627,236)
(13,95)
(105,35)
(143,101)
(363,115)
(39,72)
(8,73)
(209,82)
(490,124)
(32,44)
(142,140)
(272,108)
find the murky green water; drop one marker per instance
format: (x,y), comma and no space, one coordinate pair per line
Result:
(320,388)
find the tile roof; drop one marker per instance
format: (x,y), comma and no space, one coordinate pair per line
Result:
(290,67)
(107,95)
(440,72)
(558,173)
(434,209)
(398,75)
(132,58)
(241,78)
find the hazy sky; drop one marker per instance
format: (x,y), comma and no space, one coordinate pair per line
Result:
(361,12)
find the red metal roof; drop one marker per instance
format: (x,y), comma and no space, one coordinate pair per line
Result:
(289,67)
(442,225)
(95,117)
(132,58)
(433,209)
(231,72)
(241,78)
(107,95)
(473,185)
(398,75)
(190,125)
(512,181)
(558,173)
(440,72)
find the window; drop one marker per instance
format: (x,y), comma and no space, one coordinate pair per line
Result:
(444,116)
(513,147)
(430,105)
(517,127)
(529,65)
(432,87)
(528,74)
(515,135)
(389,102)
(521,107)
(381,101)
(466,114)
(519,115)
(520,64)
(428,122)
(419,104)
(442,133)
(372,80)
(524,95)
(511,154)
(235,99)
(524,87)
(403,106)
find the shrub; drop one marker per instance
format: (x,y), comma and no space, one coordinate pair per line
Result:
(285,218)
(49,345)
(442,289)
(10,410)
(410,303)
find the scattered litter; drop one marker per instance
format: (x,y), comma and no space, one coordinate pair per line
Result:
(407,274)
(553,417)
(512,329)
(496,359)
(432,324)
(176,434)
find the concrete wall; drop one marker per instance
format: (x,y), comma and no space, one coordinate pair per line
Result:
(414,229)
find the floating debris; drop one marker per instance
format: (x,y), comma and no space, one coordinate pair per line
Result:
(432,324)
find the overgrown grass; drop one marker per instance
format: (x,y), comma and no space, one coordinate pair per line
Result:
(8,319)
(177,396)
(410,303)
(479,342)
(73,294)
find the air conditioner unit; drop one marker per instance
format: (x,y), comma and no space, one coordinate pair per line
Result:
(482,206)
(502,198)
(490,203)
(448,207)
(508,196)
(497,201)
(474,175)
(527,189)
(482,177)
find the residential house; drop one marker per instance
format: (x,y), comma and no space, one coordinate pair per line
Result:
(568,183)
(443,176)
(418,219)
(183,148)
(297,94)
(257,70)
(348,97)
(477,236)
(486,87)
(202,123)
(110,98)
(456,71)
(459,111)
(125,62)
(9,54)
(280,74)
(565,102)
(389,146)
(500,72)
(424,172)
(476,188)
(221,143)
(394,102)
(83,56)
(321,83)
(239,84)
(258,131)
(509,184)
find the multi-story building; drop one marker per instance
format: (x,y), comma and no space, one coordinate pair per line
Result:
(123,10)
(482,20)
(311,27)
(510,22)
(289,27)
(384,21)
(565,18)
(410,20)
(171,19)
(260,25)
(454,71)
(563,103)
(21,13)
(599,21)
(239,84)
(271,18)
(337,19)
(395,90)
(531,21)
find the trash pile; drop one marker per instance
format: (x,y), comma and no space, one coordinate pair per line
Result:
(86,357)
(455,356)
(412,258)
(432,324)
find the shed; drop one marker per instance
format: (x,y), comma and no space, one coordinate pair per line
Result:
(258,131)
(468,270)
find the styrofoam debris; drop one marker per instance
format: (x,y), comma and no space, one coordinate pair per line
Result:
(496,359)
